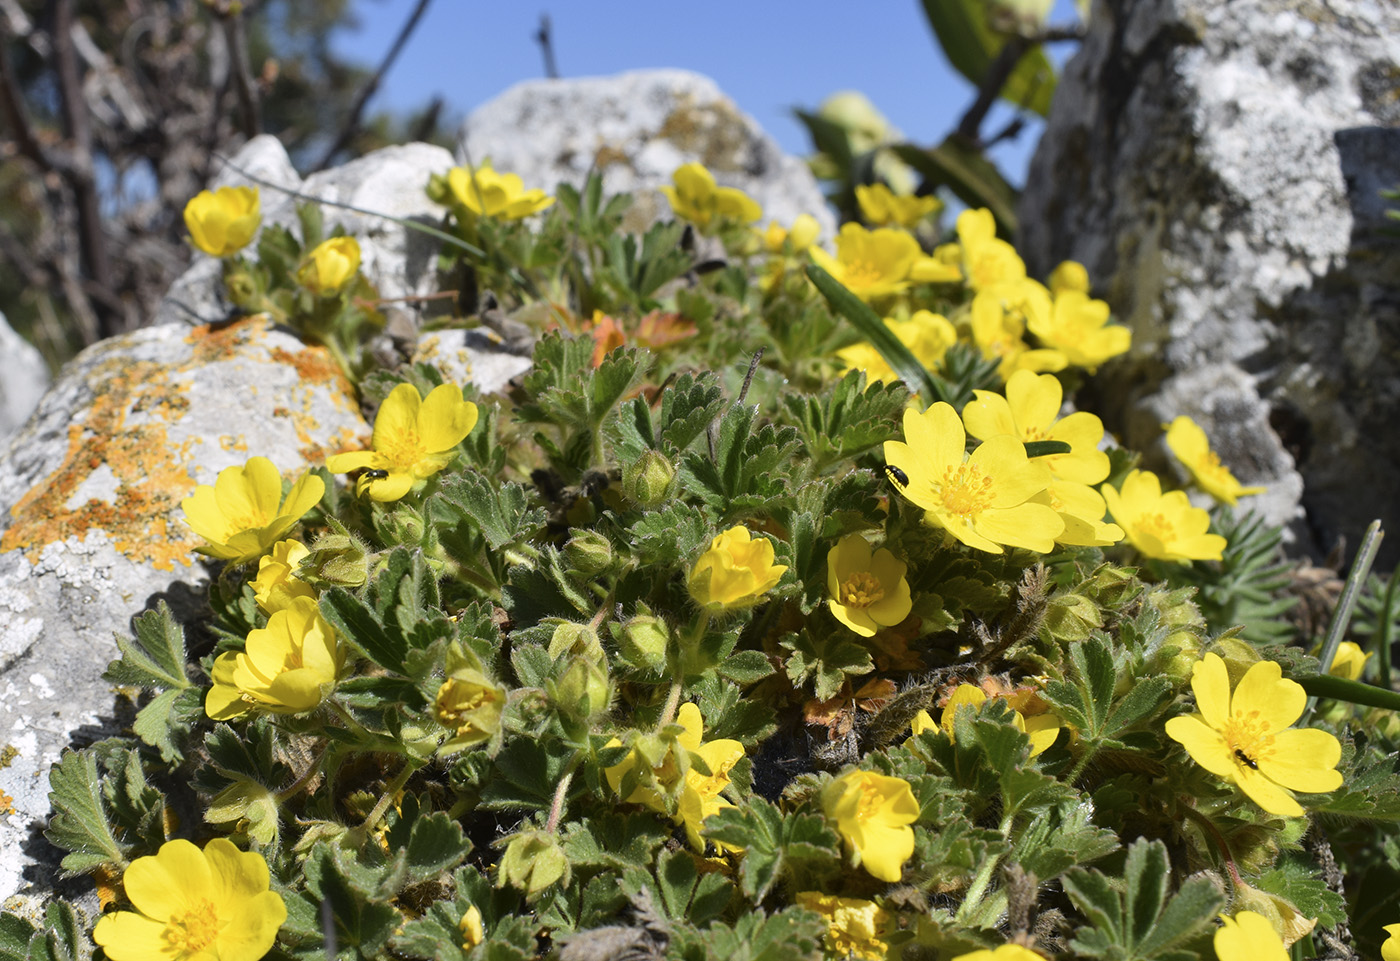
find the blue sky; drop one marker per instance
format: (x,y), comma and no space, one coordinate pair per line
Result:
(770,57)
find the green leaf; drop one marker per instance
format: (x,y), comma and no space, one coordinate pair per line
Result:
(1295,879)
(359,625)
(800,846)
(62,939)
(170,713)
(501,512)
(80,822)
(969,174)
(791,935)
(971,45)
(15,933)
(871,327)
(844,421)
(435,844)
(825,660)
(1040,448)
(686,894)
(746,667)
(155,658)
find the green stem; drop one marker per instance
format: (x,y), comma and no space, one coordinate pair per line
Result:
(388,798)
(1090,749)
(975,891)
(561,795)
(1360,569)
(1386,628)
(678,659)
(1209,827)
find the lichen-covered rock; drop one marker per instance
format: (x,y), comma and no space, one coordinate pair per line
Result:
(91,530)
(26,378)
(1216,168)
(637,128)
(478,357)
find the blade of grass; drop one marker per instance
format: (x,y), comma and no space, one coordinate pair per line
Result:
(1360,569)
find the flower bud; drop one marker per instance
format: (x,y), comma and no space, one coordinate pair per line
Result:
(1238,654)
(242,287)
(223,222)
(1069,276)
(576,639)
(649,480)
(403,526)
(532,862)
(1071,617)
(330,267)
(471,928)
(643,642)
(588,552)
(339,560)
(583,692)
(1178,654)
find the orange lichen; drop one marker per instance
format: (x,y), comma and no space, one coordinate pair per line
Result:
(125,431)
(7,803)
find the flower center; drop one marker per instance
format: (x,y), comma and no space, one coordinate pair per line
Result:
(404,450)
(965,491)
(192,932)
(861,589)
(863,273)
(1157,526)
(1248,738)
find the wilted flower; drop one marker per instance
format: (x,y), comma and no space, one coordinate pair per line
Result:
(243,513)
(484,192)
(225,221)
(853,925)
(287,667)
(1188,442)
(194,905)
(1164,526)
(872,813)
(984,500)
(868,591)
(735,572)
(1248,937)
(330,266)
(277,585)
(414,438)
(696,197)
(470,706)
(1246,738)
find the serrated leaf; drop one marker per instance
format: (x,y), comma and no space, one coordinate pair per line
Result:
(80,823)
(435,844)
(155,657)
(358,625)
(746,667)
(775,844)
(825,660)
(159,721)
(15,933)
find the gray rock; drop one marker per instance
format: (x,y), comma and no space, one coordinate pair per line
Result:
(91,529)
(478,357)
(637,128)
(24,382)
(1215,167)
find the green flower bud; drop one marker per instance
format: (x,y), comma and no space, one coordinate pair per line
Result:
(1110,586)
(403,525)
(588,552)
(532,862)
(583,692)
(1070,617)
(1178,654)
(242,287)
(643,642)
(577,639)
(338,560)
(1238,654)
(650,479)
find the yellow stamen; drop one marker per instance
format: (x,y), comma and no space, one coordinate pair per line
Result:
(861,589)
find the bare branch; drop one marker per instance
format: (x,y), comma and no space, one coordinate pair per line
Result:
(15,112)
(352,123)
(1011,52)
(544,36)
(231,18)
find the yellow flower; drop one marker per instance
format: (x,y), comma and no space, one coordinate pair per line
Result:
(984,500)
(999,317)
(277,585)
(803,234)
(223,222)
(881,206)
(194,905)
(735,572)
(1248,937)
(1081,509)
(1030,411)
(243,513)
(470,706)
(1006,952)
(871,263)
(872,814)
(1188,442)
(330,266)
(414,438)
(1078,327)
(695,197)
(927,335)
(1349,661)
(287,667)
(470,926)
(697,795)
(868,591)
(1390,951)
(1069,275)
(1041,728)
(1164,526)
(503,196)
(853,925)
(1246,738)
(987,259)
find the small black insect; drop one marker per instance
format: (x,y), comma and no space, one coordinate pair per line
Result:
(897,477)
(1246,760)
(375,473)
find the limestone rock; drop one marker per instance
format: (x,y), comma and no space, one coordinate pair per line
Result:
(478,357)
(637,128)
(26,378)
(91,530)
(1215,166)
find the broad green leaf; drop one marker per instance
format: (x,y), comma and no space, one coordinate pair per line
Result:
(971,45)
(969,174)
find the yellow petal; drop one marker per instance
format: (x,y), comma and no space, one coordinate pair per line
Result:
(128,936)
(988,415)
(1265,793)
(1248,937)
(1207,746)
(445,419)
(1264,696)
(397,417)
(165,884)
(1303,760)
(1210,681)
